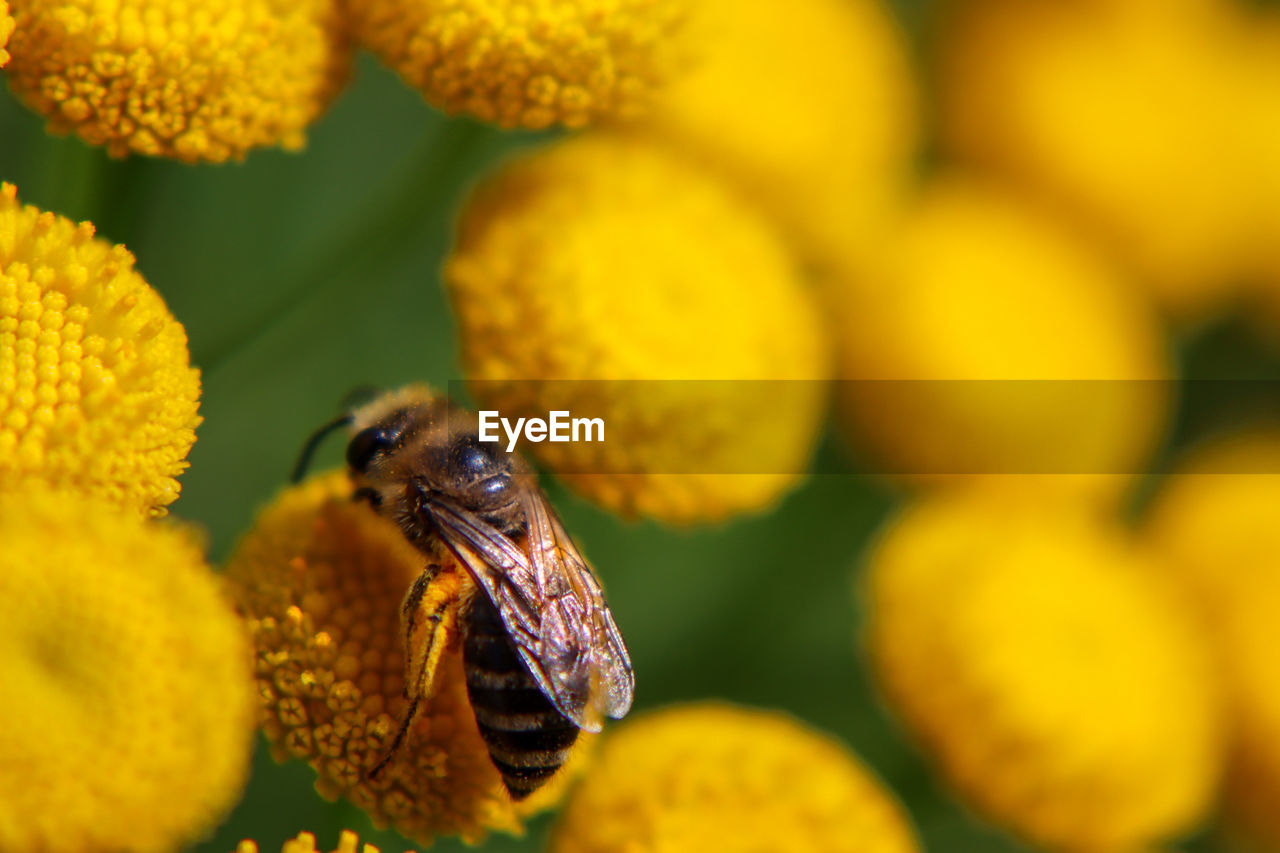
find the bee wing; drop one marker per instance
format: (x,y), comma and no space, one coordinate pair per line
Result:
(500,567)
(552,607)
(580,645)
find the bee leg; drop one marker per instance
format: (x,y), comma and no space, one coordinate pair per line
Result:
(428,615)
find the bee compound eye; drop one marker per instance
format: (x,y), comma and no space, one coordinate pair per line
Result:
(365,445)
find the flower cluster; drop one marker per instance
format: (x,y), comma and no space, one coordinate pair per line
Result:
(717,777)
(684,345)
(193,81)
(1048,667)
(96,390)
(133,728)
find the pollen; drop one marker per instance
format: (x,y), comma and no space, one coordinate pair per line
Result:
(833,76)
(320,581)
(526,63)
(348,842)
(1215,521)
(716,777)
(1047,668)
(129,718)
(195,81)
(96,390)
(579,285)
(6,30)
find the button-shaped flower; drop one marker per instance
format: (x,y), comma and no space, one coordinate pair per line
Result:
(202,81)
(1217,520)
(716,777)
(835,152)
(667,305)
(320,581)
(988,340)
(526,63)
(1119,114)
(1048,668)
(96,390)
(128,718)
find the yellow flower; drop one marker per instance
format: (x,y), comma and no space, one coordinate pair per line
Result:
(609,262)
(96,391)
(306,843)
(1041,660)
(1116,113)
(989,341)
(526,63)
(1215,521)
(129,713)
(808,104)
(200,81)
(320,581)
(6,30)
(710,776)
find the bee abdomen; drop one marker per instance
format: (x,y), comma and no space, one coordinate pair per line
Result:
(528,739)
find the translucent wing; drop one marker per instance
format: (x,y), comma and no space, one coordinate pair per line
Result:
(551,605)
(580,645)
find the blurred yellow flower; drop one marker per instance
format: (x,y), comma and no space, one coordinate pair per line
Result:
(1117,114)
(809,105)
(320,580)
(6,30)
(1045,665)
(306,843)
(1217,520)
(129,718)
(526,63)
(96,390)
(613,264)
(715,777)
(201,81)
(989,341)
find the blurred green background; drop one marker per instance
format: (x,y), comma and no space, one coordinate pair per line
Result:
(300,277)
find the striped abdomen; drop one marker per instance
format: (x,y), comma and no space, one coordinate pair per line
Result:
(528,739)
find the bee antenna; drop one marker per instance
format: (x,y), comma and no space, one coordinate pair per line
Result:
(309,449)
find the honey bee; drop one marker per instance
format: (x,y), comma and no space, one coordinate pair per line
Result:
(542,654)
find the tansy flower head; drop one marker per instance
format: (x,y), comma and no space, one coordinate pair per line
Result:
(129,714)
(1216,523)
(1046,666)
(989,341)
(526,63)
(716,777)
(1114,112)
(6,29)
(611,263)
(200,81)
(306,843)
(96,392)
(321,580)
(809,105)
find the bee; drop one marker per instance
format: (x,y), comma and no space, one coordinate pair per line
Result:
(543,656)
